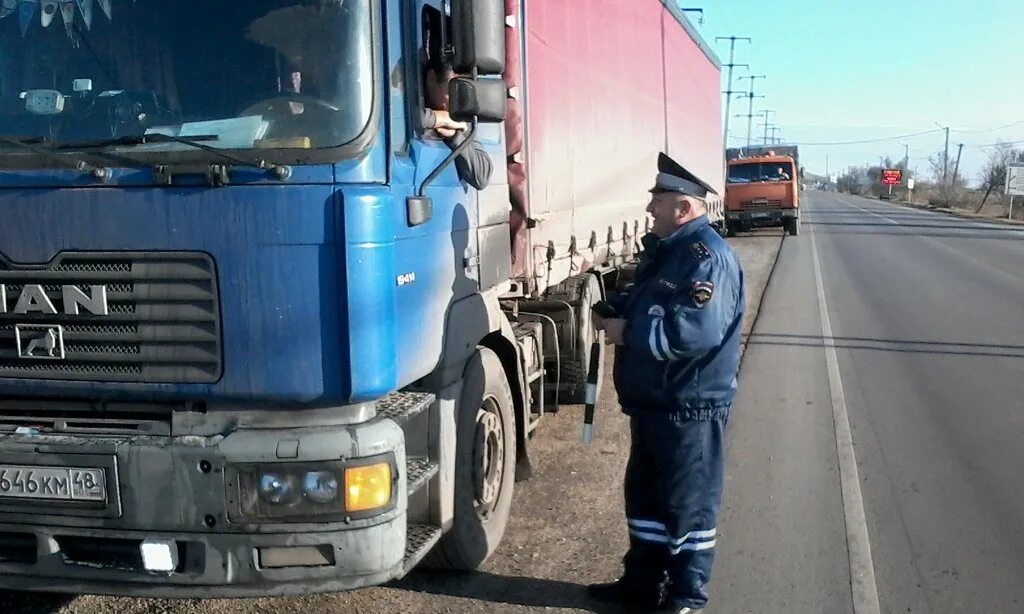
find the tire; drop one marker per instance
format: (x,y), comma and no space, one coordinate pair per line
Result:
(584,291)
(730,229)
(793,226)
(485,466)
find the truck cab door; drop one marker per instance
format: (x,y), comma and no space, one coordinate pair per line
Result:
(477,221)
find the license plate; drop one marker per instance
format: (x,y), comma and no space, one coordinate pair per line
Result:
(61,483)
(759,214)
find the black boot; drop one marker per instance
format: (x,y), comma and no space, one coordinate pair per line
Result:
(621,593)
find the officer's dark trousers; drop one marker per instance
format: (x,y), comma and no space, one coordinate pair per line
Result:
(673,491)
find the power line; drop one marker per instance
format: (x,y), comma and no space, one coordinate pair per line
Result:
(1016,123)
(997,144)
(878,140)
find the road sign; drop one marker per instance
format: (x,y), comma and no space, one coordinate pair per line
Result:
(892,176)
(910,184)
(1015,179)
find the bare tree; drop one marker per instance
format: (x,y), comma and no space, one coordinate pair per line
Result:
(936,163)
(993,175)
(852,181)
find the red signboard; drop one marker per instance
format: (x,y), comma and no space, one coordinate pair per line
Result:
(892,176)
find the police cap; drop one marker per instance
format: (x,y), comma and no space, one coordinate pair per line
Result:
(672,177)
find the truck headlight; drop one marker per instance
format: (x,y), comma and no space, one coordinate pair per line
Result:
(315,491)
(367,487)
(320,486)
(276,488)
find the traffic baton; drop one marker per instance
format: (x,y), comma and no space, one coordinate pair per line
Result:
(591,392)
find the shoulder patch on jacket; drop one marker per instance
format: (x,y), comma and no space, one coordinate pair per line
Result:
(701,292)
(700,251)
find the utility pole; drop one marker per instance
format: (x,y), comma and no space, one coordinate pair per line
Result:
(750,117)
(766,123)
(955,170)
(775,141)
(906,156)
(767,127)
(945,156)
(728,88)
(750,103)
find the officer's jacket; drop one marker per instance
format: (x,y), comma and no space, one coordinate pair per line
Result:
(684,318)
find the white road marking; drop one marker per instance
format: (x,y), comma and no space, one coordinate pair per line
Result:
(986,267)
(862,570)
(888,219)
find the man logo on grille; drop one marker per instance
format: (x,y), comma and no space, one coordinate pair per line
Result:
(40,341)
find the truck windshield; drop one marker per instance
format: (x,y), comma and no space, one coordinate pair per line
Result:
(760,171)
(258,74)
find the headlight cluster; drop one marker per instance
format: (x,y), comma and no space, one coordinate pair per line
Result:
(305,490)
(282,488)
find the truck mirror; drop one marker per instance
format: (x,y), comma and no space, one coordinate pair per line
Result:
(480,99)
(478,36)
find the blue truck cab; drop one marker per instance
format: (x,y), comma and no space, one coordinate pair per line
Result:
(246,348)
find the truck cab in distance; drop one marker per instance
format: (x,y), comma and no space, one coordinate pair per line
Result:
(763,190)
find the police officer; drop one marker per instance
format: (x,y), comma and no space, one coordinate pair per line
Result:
(678,335)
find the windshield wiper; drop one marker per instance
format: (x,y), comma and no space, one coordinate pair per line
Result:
(280,171)
(40,147)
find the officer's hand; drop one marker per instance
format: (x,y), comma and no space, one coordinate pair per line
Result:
(614,331)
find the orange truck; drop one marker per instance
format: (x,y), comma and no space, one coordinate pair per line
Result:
(762,188)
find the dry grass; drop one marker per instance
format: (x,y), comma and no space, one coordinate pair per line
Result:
(968,200)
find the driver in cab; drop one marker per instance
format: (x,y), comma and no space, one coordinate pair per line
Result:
(474,165)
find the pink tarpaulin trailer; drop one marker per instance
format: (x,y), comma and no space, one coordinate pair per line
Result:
(600,87)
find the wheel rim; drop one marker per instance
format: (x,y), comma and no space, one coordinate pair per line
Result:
(488,458)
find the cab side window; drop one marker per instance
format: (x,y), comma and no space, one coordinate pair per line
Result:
(431,62)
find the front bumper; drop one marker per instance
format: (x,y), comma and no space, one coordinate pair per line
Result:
(179,491)
(213,565)
(762,216)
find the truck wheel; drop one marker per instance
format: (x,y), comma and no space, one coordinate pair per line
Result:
(485,466)
(793,226)
(730,229)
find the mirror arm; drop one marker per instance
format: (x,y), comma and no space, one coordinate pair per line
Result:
(449,160)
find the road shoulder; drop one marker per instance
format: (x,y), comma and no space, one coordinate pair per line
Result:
(958,213)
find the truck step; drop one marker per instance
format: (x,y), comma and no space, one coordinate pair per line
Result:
(401,406)
(418,471)
(419,539)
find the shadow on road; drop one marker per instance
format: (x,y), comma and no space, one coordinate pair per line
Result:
(759,234)
(950,348)
(508,590)
(23,602)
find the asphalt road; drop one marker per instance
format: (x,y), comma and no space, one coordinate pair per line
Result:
(567,528)
(924,369)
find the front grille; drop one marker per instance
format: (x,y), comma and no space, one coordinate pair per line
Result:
(118,265)
(162,325)
(82,416)
(762,204)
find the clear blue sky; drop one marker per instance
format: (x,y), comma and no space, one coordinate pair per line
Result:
(844,70)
